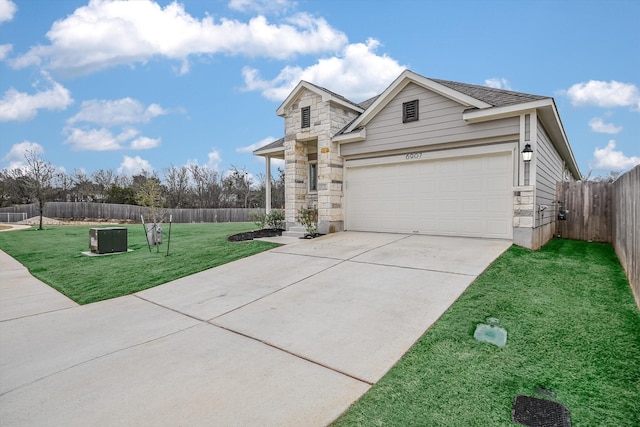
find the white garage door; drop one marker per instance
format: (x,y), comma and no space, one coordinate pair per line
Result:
(460,196)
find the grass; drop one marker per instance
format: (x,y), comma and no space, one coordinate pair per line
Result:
(53,255)
(573,328)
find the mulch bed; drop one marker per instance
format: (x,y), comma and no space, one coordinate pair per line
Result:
(250,235)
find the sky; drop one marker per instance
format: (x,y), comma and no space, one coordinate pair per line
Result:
(146,85)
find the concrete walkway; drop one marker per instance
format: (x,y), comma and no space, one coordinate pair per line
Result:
(288,337)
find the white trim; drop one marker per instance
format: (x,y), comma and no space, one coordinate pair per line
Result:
(267,189)
(434,155)
(400,83)
(520,168)
(260,152)
(355,136)
(533,136)
(495,113)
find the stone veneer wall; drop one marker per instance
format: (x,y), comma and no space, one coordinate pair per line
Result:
(331,173)
(326,120)
(525,234)
(523,216)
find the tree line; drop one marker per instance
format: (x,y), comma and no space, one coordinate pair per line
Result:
(192,186)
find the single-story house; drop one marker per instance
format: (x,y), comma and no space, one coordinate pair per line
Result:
(425,156)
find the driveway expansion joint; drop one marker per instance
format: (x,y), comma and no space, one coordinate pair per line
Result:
(413,268)
(299,356)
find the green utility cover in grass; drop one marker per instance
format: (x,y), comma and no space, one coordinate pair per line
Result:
(491,333)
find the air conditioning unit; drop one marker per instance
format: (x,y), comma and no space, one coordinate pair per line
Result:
(108,240)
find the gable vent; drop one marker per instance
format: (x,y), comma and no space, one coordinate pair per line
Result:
(306,117)
(410,111)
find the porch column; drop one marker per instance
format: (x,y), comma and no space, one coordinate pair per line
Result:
(267,187)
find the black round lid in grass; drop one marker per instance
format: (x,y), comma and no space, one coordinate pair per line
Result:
(534,412)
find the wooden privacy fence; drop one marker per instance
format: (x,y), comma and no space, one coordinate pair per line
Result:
(590,212)
(77,210)
(626,226)
(606,212)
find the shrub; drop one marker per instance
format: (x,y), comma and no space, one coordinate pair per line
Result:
(275,219)
(308,217)
(259,218)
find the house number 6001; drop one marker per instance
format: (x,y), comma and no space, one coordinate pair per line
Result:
(413,156)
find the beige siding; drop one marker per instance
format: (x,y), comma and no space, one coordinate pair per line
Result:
(440,122)
(549,170)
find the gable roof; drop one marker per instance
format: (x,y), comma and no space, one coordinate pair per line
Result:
(326,94)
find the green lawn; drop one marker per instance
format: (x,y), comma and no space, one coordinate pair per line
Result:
(573,328)
(53,255)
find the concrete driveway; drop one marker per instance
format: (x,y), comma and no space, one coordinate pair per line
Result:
(288,337)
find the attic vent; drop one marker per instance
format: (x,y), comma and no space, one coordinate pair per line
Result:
(410,111)
(306,117)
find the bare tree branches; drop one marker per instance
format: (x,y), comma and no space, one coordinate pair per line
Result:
(192,186)
(41,175)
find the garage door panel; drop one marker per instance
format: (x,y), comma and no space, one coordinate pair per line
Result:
(448,184)
(473,206)
(500,183)
(497,228)
(466,196)
(474,186)
(497,205)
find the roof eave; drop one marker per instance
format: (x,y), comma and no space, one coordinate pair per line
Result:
(355,136)
(494,113)
(271,152)
(548,112)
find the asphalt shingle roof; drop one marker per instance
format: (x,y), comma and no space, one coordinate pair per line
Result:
(278,143)
(493,96)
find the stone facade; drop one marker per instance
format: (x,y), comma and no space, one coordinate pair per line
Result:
(300,145)
(527,232)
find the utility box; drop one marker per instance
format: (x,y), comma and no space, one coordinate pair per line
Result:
(108,240)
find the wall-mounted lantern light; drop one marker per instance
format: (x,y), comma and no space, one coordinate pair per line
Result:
(527,153)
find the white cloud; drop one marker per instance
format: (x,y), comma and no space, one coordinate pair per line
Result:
(92,140)
(214,160)
(18,151)
(144,143)
(604,94)
(108,33)
(116,112)
(261,6)
(251,148)
(498,83)
(20,106)
(609,159)
(104,140)
(4,50)
(7,10)
(358,73)
(598,125)
(134,165)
